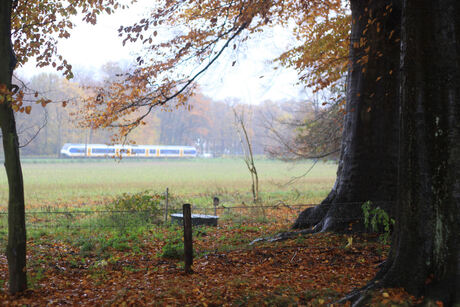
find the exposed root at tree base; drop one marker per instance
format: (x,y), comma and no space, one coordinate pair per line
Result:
(381,291)
(332,217)
(319,219)
(283,236)
(359,297)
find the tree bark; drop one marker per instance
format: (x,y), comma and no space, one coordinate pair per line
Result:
(424,256)
(16,250)
(368,161)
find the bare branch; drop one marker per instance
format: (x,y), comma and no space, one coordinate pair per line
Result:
(45,122)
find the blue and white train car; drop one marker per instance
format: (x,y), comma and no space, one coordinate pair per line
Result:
(70,150)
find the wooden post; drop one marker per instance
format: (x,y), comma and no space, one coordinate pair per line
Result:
(215,202)
(188,245)
(166,204)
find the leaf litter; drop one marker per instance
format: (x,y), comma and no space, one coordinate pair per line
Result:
(308,270)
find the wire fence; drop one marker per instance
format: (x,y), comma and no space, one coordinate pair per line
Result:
(95,219)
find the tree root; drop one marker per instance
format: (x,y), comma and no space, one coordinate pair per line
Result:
(360,297)
(332,217)
(283,236)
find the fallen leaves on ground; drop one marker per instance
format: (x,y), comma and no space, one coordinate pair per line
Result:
(307,270)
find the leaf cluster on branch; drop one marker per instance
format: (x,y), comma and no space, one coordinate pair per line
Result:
(36,28)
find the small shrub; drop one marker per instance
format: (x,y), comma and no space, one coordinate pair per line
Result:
(87,246)
(119,244)
(142,201)
(200,231)
(174,247)
(135,209)
(173,250)
(377,220)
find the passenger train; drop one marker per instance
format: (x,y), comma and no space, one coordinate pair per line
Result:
(139,151)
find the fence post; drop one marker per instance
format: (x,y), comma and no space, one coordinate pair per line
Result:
(215,202)
(166,205)
(188,245)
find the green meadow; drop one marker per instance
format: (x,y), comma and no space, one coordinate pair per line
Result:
(80,183)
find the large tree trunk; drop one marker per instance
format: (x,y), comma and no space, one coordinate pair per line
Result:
(16,250)
(368,160)
(424,256)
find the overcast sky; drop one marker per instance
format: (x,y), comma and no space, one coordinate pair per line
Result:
(252,79)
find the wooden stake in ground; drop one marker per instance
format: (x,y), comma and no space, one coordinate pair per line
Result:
(215,202)
(188,245)
(166,204)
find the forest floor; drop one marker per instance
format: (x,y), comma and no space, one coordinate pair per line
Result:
(143,266)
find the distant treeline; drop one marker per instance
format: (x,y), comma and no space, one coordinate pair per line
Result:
(275,128)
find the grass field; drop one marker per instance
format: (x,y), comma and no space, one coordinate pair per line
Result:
(83,183)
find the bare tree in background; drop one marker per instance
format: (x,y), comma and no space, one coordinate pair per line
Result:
(304,130)
(246,146)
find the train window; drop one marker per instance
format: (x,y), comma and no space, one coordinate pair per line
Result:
(138,151)
(102,150)
(190,152)
(76,150)
(152,151)
(169,151)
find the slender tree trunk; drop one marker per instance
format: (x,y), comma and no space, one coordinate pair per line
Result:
(368,160)
(246,147)
(59,132)
(425,256)
(45,144)
(16,250)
